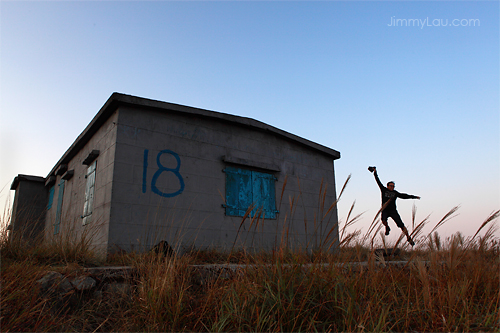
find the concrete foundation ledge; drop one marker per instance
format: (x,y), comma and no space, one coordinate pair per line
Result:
(203,274)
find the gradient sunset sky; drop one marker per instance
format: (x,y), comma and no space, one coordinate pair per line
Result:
(410,87)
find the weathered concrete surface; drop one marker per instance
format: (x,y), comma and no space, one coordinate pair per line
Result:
(155,149)
(73,197)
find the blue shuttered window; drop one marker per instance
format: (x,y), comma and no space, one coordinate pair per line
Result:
(60,195)
(263,190)
(246,187)
(51,197)
(238,191)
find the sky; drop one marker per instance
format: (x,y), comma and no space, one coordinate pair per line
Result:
(409,87)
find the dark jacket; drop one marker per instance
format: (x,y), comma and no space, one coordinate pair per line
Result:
(391,196)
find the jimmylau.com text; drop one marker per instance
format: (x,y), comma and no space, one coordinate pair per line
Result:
(396,22)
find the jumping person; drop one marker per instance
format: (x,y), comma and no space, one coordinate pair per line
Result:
(389,196)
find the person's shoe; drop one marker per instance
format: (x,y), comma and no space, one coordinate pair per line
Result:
(387,230)
(412,243)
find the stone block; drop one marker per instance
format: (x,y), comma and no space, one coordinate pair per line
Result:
(54,282)
(83,283)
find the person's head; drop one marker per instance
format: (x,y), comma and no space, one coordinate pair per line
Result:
(391,185)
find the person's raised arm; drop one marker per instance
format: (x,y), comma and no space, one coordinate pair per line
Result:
(379,183)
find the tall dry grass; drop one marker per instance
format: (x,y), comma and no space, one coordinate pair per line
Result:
(447,285)
(64,248)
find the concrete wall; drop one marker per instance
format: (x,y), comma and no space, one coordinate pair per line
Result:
(28,210)
(74,190)
(195,217)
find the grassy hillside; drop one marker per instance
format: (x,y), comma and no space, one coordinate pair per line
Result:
(447,285)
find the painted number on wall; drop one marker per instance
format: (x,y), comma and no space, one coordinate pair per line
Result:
(161,169)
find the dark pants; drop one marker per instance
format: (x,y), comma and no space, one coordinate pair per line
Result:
(394,215)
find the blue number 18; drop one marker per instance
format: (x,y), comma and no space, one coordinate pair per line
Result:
(160,170)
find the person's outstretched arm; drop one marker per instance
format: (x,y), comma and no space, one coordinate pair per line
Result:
(407,196)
